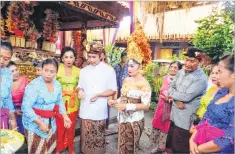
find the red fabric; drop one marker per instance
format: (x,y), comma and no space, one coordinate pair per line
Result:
(52,39)
(19,33)
(157,119)
(207,132)
(48,113)
(65,136)
(17,95)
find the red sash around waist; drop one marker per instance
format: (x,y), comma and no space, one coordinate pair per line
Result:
(48,113)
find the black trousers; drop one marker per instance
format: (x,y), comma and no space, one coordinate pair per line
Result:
(178,139)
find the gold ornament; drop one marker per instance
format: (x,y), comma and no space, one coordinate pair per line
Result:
(134,52)
(138,47)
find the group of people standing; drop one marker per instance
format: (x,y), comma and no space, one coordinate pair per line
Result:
(45,110)
(38,108)
(190,113)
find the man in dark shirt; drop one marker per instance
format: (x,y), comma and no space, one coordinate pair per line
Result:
(119,69)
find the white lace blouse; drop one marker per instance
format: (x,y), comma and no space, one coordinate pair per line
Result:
(136,92)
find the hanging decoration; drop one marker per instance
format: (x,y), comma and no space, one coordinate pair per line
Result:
(50,27)
(18,22)
(28,10)
(77,40)
(32,35)
(77,45)
(158,9)
(187,5)
(18,18)
(80,47)
(14,15)
(2,21)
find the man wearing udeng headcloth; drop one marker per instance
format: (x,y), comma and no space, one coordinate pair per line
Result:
(186,90)
(97,82)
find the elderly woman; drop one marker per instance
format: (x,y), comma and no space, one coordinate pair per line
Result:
(219,116)
(18,87)
(161,120)
(6,79)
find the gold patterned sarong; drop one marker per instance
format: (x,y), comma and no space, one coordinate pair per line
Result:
(129,136)
(37,144)
(93,136)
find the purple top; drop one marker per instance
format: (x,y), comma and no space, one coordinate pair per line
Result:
(222,116)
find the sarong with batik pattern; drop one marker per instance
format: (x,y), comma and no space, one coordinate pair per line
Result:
(39,145)
(93,136)
(129,136)
(131,122)
(158,140)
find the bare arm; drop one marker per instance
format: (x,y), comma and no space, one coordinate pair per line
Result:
(106,93)
(38,121)
(144,105)
(209,147)
(12,120)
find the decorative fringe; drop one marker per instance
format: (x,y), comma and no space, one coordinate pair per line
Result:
(159,8)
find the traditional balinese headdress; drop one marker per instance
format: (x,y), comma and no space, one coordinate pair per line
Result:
(134,52)
(138,46)
(96,47)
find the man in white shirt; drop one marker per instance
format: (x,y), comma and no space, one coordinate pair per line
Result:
(96,83)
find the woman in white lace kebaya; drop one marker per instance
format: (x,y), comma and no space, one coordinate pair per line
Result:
(135,99)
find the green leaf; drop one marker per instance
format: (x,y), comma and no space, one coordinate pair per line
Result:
(214,35)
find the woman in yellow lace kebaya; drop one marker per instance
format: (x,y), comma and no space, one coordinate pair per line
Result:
(206,99)
(68,76)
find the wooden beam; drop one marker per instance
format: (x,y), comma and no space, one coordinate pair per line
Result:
(75,14)
(68,17)
(98,23)
(90,10)
(92,24)
(70,26)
